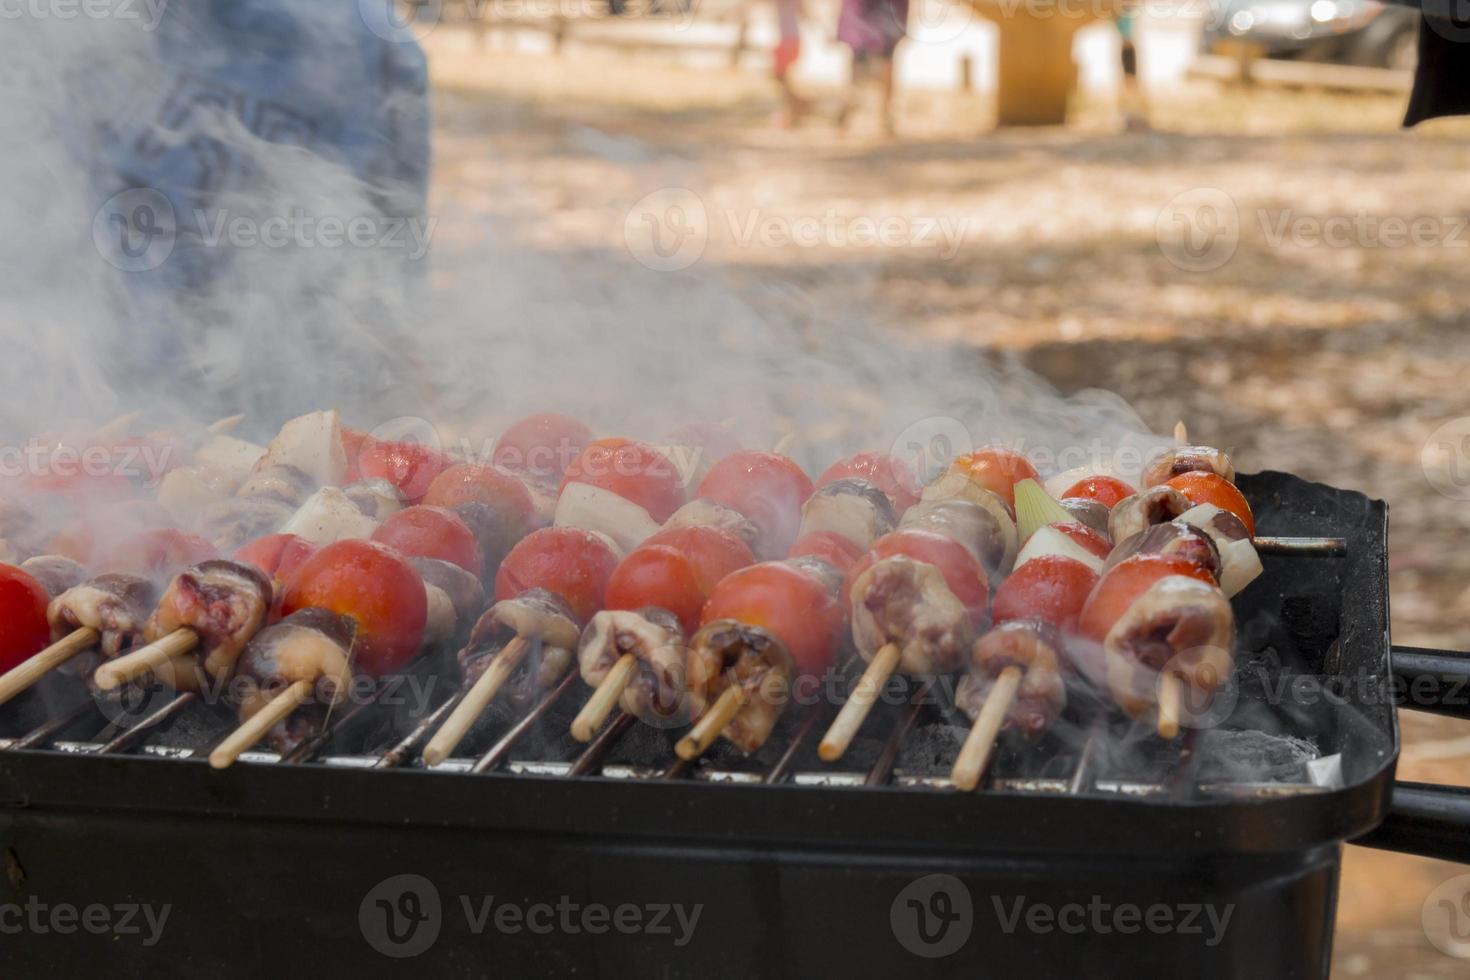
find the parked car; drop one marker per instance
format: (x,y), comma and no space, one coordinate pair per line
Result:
(1352,32)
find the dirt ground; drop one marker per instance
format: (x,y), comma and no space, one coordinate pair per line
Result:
(1333,359)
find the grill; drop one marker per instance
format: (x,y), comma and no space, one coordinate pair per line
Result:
(348,853)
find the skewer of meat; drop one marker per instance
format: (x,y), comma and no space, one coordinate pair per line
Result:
(761,627)
(355,608)
(768,490)
(633,651)
(620,488)
(551,582)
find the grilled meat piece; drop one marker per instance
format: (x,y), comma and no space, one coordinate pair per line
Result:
(1187,459)
(313,645)
(1035,647)
(535,614)
(1174,537)
(225,602)
(1093,513)
(287,484)
(725,653)
(228,524)
(117,606)
(704,512)
(1180,624)
(853,508)
(56,573)
(987,532)
(899,600)
(456,597)
(657,694)
(1138,513)
(377,499)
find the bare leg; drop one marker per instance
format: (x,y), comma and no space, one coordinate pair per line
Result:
(886,78)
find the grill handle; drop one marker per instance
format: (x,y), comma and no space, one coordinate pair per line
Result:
(1427,820)
(1437,681)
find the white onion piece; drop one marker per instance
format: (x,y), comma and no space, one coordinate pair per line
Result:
(604,512)
(312,444)
(329,516)
(1050,541)
(233,459)
(1239,563)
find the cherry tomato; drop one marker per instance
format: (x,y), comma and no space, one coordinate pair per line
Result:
(566,561)
(676,569)
(634,471)
(542,445)
(431,532)
(409,466)
(790,604)
(77,487)
(1122,584)
(279,556)
(835,549)
(24,631)
(474,483)
(83,539)
(1106,490)
(1052,588)
(1212,488)
(1089,538)
(377,588)
(997,470)
(159,554)
(888,473)
(768,489)
(962,571)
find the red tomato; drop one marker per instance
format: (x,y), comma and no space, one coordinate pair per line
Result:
(833,548)
(409,466)
(1106,490)
(377,588)
(78,487)
(788,603)
(632,470)
(159,554)
(1087,537)
(542,445)
(888,473)
(279,556)
(997,470)
(431,532)
(962,571)
(1124,583)
(24,631)
(1212,488)
(474,483)
(83,539)
(676,569)
(1052,588)
(566,561)
(768,489)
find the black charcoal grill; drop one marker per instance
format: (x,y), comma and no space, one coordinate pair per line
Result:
(870,867)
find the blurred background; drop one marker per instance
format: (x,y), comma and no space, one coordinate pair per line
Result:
(1210,211)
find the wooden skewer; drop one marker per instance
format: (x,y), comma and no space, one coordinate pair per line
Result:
(845,726)
(116,673)
(1171,697)
(254,729)
(226,424)
(473,704)
(28,673)
(975,754)
(1181,432)
(601,703)
(711,723)
(117,427)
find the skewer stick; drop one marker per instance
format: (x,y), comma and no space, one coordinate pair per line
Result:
(255,728)
(975,754)
(469,709)
(117,427)
(226,424)
(25,676)
(601,703)
(845,726)
(116,673)
(1171,697)
(1181,432)
(711,723)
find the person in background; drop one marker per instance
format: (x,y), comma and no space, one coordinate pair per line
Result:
(788,50)
(872,29)
(1132,100)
